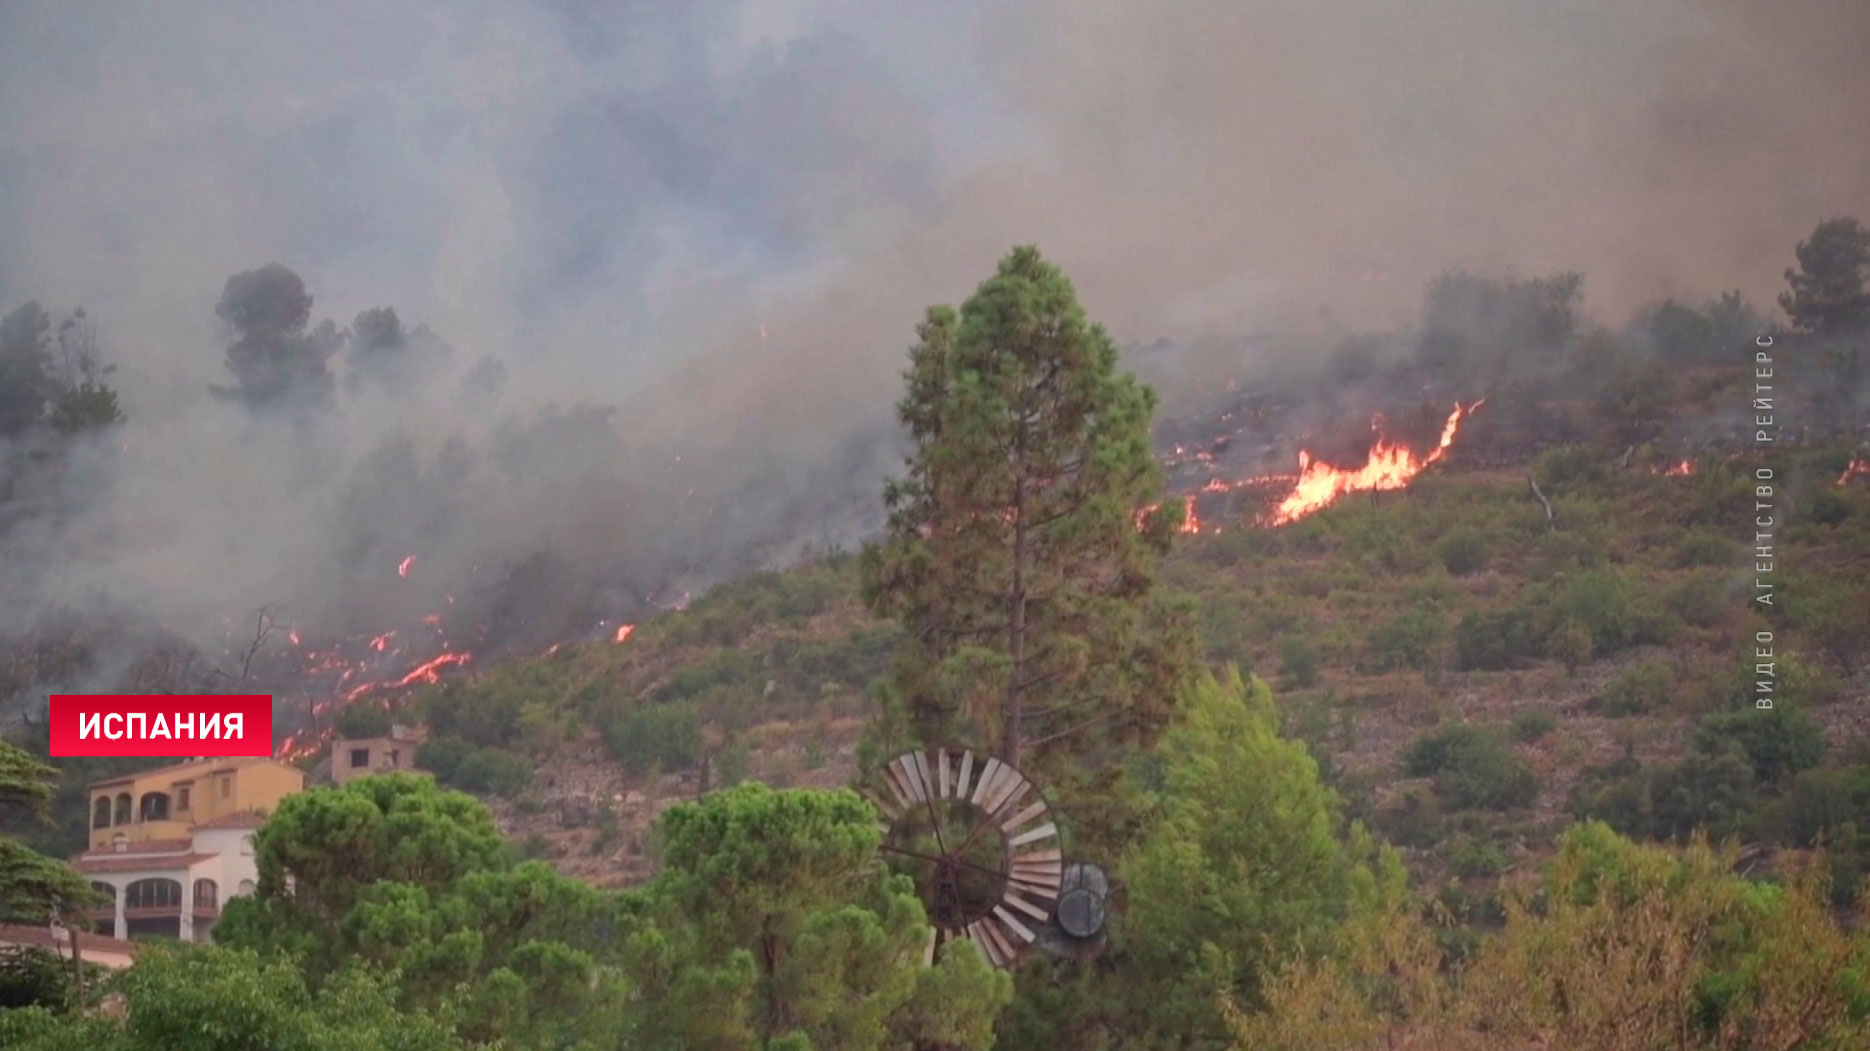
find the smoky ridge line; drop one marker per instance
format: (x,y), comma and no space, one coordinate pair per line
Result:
(695,245)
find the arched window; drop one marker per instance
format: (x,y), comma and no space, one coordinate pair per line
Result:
(246,886)
(153,894)
(155,806)
(206,894)
(100,813)
(108,890)
(123,809)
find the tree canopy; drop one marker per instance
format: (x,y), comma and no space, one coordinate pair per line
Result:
(1828,294)
(1022,537)
(273,358)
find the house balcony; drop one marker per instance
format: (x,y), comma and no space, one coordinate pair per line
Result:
(138,831)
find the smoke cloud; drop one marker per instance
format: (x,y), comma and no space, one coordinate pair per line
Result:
(720,221)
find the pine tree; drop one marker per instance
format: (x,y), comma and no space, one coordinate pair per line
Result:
(1827,294)
(1022,538)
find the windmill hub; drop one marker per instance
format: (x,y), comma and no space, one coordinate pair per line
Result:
(1081,913)
(978,839)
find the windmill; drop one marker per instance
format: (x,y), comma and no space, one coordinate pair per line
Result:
(982,845)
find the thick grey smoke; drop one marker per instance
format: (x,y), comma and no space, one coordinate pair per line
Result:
(724,219)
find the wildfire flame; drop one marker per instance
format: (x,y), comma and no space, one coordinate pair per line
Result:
(1680,469)
(402,568)
(1318,484)
(1858,468)
(624,631)
(1191,522)
(1388,466)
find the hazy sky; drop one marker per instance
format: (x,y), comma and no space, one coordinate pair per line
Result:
(615,197)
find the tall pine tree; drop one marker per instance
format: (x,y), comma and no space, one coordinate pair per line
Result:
(1023,536)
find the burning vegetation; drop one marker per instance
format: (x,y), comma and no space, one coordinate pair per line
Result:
(1284,498)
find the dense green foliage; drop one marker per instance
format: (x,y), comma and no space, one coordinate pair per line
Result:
(1451,636)
(1022,539)
(1472,767)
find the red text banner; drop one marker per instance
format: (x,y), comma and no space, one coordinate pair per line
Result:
(112,724)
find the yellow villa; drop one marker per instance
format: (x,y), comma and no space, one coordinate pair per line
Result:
(167,803)
(170,846)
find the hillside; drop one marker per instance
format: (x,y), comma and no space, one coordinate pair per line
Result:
(1595,648)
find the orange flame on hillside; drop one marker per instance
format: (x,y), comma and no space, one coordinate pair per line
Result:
(1858,468)
(1388,466)
(1680,469)
(624,631)
(1191,522)
(402,568)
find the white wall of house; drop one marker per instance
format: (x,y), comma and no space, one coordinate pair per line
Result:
(230,865)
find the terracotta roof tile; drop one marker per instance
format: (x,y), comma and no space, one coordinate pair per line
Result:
(20,934)
(208,765)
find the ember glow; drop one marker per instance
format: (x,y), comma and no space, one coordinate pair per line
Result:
(307,742)
(1388,466)
(1317,484)
(1858,468)
(1680,469)
(624,631)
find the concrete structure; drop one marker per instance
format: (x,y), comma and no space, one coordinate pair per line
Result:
(169,802)
(373,755)
(173,888)
(112,953)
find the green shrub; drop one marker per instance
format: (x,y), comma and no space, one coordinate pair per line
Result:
(1569,468)
(1778,742)
(1298,661)
(442,756)
(1472,768)
(1617,795)
(1835,615)
(1406,640)
(658,737)
(732,668)
(460,764)
(492,770)
(1644,688)
(364,720)
(1464,550)
(1825,808)
(731,764)
(854,659)
(1816,801)
(1411,818)
(1475,858)
(1494,641)
(1702,601)
(1826,506)
(1534,724)
(1704,547)
(1571,643)
(1710,790)
(482,711)
(1603,602)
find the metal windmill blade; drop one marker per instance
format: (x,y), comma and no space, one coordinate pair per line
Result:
(978,838)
